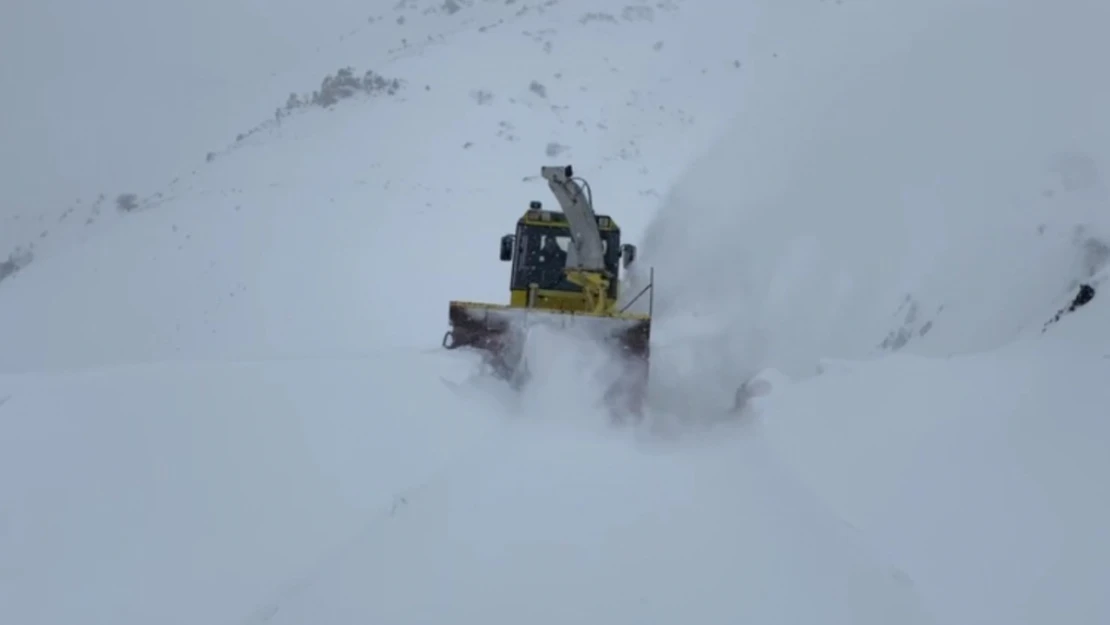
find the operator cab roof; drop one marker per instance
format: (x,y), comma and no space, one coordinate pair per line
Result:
(538,216)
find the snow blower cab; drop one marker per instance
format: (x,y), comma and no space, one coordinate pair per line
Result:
(565,273)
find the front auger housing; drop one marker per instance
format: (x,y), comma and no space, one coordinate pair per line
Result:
(499,333)
(565,274)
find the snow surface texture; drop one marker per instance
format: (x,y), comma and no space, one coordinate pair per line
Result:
(228,404)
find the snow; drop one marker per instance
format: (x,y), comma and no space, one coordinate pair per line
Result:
(992,466)
(231,405)
(614,533)
(182,492)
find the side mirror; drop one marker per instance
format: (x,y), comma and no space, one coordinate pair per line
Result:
(507,247)
(628,254)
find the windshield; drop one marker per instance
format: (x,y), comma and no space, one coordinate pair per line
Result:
(543,253)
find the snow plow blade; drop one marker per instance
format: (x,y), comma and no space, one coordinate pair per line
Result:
(500,332)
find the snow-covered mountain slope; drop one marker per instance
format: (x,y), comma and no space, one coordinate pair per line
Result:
(124,95)
(928,178)
(592,98)
(227,405)
(290,240)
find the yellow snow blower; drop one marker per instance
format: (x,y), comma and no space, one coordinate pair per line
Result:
(564,274)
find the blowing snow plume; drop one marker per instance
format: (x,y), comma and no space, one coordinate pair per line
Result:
(898,176)
(570,377)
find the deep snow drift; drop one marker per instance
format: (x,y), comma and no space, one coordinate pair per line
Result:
(227,406)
